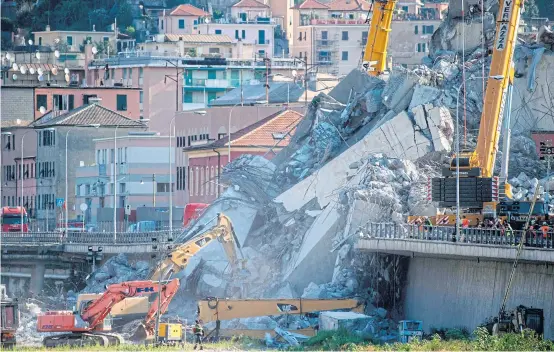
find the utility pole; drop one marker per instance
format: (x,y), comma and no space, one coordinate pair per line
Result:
(174,79)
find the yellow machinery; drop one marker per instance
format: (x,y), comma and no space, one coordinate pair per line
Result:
(477,188)
(215,309)
(170,332)
(375,54)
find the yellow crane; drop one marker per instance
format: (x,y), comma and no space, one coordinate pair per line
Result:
(375,54)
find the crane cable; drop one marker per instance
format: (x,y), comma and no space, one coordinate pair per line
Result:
(519,250)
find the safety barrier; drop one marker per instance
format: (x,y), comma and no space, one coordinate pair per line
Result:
(495,237)
(93,238)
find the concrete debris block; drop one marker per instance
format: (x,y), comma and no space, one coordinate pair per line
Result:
(404,142)
(398,92)
(116,269)
(423,95)
(332,321)
(356,82)
(287,336)
(286,291)
(448,69)
(441,127)
(374,99)
(314,291)
(419,117)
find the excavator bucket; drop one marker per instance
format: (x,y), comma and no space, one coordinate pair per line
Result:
(141,334)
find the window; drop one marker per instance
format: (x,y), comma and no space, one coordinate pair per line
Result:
(112,155)
(61,102)
(121,102)
(261,53)
(111,189)
(41,101)
(195,23)
(69,40)
(87,190)
(39,41)
(214,50)
(236,34)
(141,75)
(243,34)
(364,37)
(428,29)
(188,97)
(105,39)
(181,24)
(141,99)
(344,35)
(122,188)
(162,187)
(405,8)
(421,47)
(345,56)
(191,181)
(124,73)
(218,31)
(71,102)
(130,73)
(415,29)
(86,98)
(47,138)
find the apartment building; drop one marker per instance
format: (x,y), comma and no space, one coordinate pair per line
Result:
(191,45)
(72,41)
(141,178)
(183,19)
(169,84)
(249,23)
(333,35)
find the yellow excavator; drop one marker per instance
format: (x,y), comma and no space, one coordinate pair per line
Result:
(217,309)
(375,54)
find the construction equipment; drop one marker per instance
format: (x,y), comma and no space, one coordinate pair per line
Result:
(215,309)
(91,323)
(9,311)
(375,54)
(180,257)
(410,330)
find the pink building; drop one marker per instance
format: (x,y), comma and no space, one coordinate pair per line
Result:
(15,190)
(205,161)
(183,19)
(63,99)
(193,129)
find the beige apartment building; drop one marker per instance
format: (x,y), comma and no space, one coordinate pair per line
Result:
(333,35)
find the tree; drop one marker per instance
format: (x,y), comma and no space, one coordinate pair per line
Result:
(104,47)
(124,14)
(99,18)
(130,31)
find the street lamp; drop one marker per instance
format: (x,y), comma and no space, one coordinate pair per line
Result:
(457,146)
(153,189)
(95,125)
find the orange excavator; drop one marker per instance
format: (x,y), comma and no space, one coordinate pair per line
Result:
(91,323)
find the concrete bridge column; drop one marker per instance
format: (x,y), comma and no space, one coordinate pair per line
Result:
(37,278)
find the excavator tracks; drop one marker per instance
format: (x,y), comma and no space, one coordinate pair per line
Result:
(84,339)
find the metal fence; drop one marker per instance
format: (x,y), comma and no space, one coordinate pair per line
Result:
(97,238)
(536,238)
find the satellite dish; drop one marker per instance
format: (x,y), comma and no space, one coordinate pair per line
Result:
(14,77)
(15,67)
(83,207)
(23,70)
(206,20)
(42,110)
(30,42)
(31,70)
(8,56)
(94,51)
(66,70)
(54,70)
(57,40)
(57,53)
(40,71)
(67,78)
(40,78)
(37,55)
(294,73)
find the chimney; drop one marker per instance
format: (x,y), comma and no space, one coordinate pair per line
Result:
(181,46)
(47,28)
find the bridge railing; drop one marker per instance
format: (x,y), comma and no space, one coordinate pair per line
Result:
(98,238)
(534,238)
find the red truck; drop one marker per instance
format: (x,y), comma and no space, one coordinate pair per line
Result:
(11,219)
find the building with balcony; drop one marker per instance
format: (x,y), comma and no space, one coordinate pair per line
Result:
(72,41)
(141,178)
(191,45)
(183,19)
(199,80)
(77,129)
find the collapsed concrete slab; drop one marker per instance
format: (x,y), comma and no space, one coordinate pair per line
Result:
(350,321)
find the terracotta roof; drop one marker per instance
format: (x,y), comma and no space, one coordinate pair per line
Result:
(312,4)
(86,115)
(199,38)
(349,5)
(188,10)
(250,3)
(267,132)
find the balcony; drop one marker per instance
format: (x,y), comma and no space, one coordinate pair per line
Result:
(332,21)
(262,42)
(208,83)
(238,20)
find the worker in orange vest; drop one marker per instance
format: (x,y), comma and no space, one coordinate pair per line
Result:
(545,230)
(465,222)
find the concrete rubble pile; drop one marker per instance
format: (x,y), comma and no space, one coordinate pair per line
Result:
(27,333)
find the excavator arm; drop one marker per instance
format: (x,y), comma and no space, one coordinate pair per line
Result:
(179,258)
(375,54)
(96,311)
(160,305)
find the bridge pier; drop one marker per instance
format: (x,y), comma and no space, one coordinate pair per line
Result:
(37,278)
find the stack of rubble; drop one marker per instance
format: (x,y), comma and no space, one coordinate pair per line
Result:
(116,269)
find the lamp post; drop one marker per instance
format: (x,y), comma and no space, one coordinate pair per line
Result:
(95,125)
(153,189)
(457,146)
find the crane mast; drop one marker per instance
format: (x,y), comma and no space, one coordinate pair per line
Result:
(375,54)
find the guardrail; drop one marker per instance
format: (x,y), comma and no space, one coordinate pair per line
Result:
(92,238)
(495,237)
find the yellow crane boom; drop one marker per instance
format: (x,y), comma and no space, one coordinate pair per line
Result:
(375,54)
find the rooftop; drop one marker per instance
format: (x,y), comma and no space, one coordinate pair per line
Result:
(250,3)
(312,4)
(276,128)
(14,123)
(349,5)
(86,115)
(199,38)
(188,10)
(83,32)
